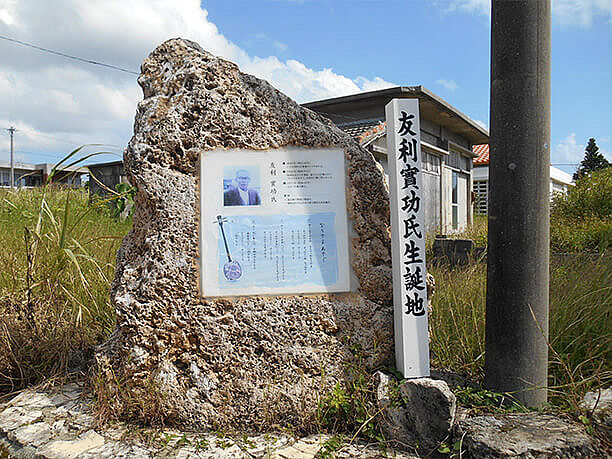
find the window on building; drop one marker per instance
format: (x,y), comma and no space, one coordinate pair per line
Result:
(481,192)
(19,179)
(458,161)
(454,160)
(431,163)
(559,187)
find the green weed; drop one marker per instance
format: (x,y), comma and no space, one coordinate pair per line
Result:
(486,401)
(351,407)
(330,447)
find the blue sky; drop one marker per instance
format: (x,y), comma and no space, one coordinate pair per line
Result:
(439,45)
(310,49)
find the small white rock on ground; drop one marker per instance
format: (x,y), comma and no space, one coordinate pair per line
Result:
(58,424)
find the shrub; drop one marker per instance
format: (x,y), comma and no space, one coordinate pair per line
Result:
(581,220)
(590,198)
(587,234)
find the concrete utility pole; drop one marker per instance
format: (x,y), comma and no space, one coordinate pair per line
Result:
(11,133)
(518,252)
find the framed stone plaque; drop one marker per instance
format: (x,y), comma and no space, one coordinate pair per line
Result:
(273,222)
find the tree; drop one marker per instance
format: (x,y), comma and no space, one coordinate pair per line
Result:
(593,160)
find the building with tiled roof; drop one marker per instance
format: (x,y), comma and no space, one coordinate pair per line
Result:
(559,181)
(482,151)
(447,137)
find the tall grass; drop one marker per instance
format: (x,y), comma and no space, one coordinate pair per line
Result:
(57,261)
(580,336)
(581,326)
(580,329)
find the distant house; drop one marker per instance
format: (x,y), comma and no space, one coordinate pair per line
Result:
(32,175)
(559,181)
(105,175)
(447,136)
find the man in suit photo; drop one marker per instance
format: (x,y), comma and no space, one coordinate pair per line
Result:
(241,195)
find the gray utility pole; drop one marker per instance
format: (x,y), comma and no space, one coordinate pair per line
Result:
(11,133)
(518,252)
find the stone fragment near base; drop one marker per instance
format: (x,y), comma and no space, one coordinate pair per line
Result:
(598,405)
(241,362)
(526,435)
(418,412)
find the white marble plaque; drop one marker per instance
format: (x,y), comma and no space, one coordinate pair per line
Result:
(273,222)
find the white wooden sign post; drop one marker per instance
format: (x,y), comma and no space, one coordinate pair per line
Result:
(407,238)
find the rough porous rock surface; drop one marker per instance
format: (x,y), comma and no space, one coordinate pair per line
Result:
(247,362)
(58,424)
(529,435)
(418,412)
(599,406)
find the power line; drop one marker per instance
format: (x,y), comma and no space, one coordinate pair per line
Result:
(37,134)
(49,155)
(76,58)
(67,141)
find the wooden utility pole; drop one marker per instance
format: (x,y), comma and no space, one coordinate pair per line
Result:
(518,250)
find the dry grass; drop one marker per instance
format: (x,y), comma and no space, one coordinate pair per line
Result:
(58,260)
(580,354)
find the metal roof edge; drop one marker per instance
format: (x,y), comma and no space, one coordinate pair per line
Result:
(418,90)
(108,163)
(457,112)
(358,96)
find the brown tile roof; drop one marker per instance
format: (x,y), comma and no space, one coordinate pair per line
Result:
(482,151)
(364,132)
(367,131)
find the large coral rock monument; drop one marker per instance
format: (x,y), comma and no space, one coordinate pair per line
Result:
(243,360)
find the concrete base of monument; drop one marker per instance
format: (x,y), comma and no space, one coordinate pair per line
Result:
(59,423)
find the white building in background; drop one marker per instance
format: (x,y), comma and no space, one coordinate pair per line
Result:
(31,175)
(559,181)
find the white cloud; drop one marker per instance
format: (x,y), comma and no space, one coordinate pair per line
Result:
(281,47)
(448,84)
(7,11)
(565,12)
(471,6)
(373,85)
(56,98)
(581,12)
(568,151)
